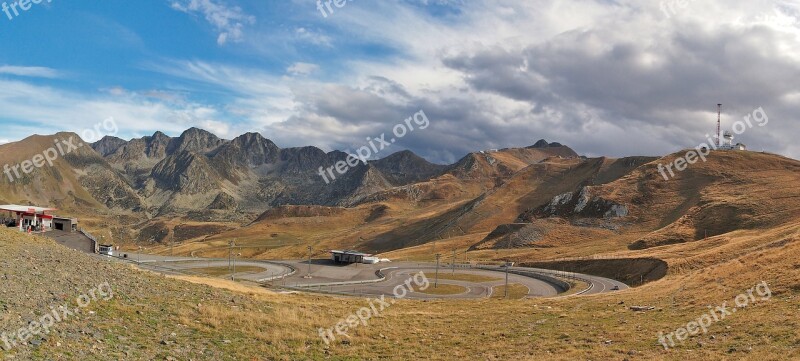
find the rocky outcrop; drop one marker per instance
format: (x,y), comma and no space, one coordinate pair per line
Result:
(577,204)
(224,202)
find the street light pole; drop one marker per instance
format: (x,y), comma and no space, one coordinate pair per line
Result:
(233,275)
(506,296)
(230,253)
(310,249)
(436,281)
(508,246)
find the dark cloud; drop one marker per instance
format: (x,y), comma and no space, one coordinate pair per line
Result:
(631,83)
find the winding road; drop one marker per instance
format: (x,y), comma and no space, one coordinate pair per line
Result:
(191,266)
(379,279)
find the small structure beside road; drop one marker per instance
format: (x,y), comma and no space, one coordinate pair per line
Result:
(348,256)
(355,257)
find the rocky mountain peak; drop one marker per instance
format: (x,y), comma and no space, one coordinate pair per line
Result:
(406,167)
(108,145)
(195,140)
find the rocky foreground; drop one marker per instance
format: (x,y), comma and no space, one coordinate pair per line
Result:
(60,304)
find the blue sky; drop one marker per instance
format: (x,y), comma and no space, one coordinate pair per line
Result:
(607,78)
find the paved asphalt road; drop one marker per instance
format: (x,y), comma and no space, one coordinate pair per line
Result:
(598,284)
(362,279)
(74,240)
(186,265)
(399,281)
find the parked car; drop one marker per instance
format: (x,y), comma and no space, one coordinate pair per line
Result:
(615,288)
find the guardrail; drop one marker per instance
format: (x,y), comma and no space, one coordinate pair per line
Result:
(565,286)
(577,276)
(269,279)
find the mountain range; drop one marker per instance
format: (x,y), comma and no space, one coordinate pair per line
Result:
(162,176)
(201,191)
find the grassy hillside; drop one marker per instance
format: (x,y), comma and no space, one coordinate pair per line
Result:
(153,317)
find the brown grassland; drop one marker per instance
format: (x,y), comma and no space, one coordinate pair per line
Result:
(721,227)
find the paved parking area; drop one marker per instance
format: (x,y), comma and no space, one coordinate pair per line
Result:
(74,240)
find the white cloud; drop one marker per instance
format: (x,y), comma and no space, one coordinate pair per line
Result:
(221,129)
(313,37)
(589,73)
(608,78)
(34,109)
(228,20)
(258,98)
(29,71)
(302,68)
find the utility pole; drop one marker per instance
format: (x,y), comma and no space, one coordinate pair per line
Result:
(436,280)
(310,249)
(172,245)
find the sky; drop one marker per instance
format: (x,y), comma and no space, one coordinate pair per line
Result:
(608,78)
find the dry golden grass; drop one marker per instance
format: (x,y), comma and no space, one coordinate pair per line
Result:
(261,324)
(222,271)
(760,243)
(444,289)
(515,291)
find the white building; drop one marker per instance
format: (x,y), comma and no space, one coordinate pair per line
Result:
(727,142)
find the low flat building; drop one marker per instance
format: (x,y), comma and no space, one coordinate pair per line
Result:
(348,256)
(65,224)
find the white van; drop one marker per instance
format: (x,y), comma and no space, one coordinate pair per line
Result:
(106,250)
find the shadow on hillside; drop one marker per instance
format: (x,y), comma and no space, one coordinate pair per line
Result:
(631,271)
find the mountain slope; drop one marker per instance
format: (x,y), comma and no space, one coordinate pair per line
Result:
(731,191)
(78,179)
